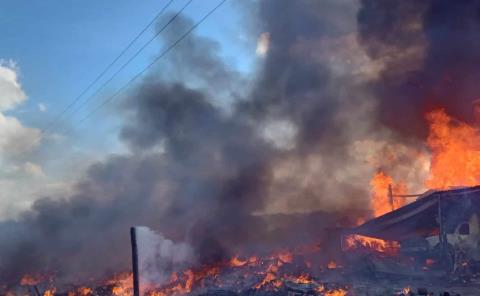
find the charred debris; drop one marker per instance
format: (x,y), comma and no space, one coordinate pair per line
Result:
(428,247)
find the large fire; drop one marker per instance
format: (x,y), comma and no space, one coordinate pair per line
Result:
(266,273)
(455,161)
(269,270)
(455,148)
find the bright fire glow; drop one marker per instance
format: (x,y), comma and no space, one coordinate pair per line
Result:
(270,271)
(356,241)
(331,265)
(338,292)
(49,292)
(454,161)
(29,280)
(455,148)
(381,202)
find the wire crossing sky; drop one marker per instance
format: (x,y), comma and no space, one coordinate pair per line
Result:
(135,55)
(77,58)
(74,101)
(162,54)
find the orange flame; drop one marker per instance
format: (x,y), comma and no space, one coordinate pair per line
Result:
(320,289)
(331,265)
(355,241)
(82,291)
(236,262)
(182,283)
(49,292)
(302,279)
(29,280)
(455,148)
(285,257)
(271,276)
(381,202)
(122,284)
(337,292)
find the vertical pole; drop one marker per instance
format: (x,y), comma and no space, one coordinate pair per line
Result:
(390,196)
(440,221)
(441,228)
(136,280)
(37,291)
(443,241)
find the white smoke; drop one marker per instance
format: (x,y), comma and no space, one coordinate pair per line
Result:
(158,257)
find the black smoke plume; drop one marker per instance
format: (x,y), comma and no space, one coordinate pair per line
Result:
(431,55)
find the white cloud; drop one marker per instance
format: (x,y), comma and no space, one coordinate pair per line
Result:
(11,93)
(42,107)
(16,139)
(20,179)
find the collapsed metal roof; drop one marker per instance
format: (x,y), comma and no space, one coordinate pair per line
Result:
(421,217)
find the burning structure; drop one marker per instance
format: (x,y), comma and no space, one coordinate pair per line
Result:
(255,177)
(438,232)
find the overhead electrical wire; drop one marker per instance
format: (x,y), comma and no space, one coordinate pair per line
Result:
(99,76)
(131,59)
(161,55)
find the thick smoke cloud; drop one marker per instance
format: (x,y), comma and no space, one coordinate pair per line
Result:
(195,174)
(200,169)
(313,77)
(431,55)
(294,84)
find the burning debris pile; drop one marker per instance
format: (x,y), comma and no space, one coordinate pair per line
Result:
(263,276)
(431,243)
(300,269)
(269,275)
(289,272)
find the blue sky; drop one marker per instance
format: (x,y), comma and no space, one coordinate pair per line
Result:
(60,46)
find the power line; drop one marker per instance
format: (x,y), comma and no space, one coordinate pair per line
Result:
(131,59)
(164,52)
(74,101)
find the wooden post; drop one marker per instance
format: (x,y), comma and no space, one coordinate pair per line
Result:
(136,279)
(36,290)
(390,196)
(441,229)
(442,236)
